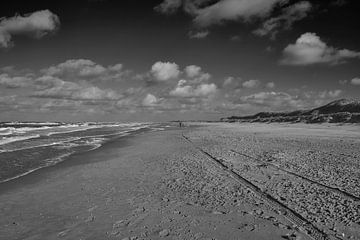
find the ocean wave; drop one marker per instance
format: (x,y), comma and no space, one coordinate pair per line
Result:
(6,131)
(67,143)
(41,145)
(82,142)
(45,144)
(78,129)
(6,140)
(21,128)
(49,162)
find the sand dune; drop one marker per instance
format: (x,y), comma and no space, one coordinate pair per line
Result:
(339,111)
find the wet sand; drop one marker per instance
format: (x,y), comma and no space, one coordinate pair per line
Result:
(213,181)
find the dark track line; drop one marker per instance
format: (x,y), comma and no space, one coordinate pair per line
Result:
(335,189)
(311,230)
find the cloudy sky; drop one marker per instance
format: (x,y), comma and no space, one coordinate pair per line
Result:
(136,60)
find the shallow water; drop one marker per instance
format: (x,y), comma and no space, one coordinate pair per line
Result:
(27,147)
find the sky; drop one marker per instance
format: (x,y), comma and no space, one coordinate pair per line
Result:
(161,60)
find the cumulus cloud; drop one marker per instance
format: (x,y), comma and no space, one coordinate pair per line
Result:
(310,49)
(185,91)
(270,85)
(330,93)
(230,82)
(54,87)
(70,85)
(81,67)
(276,99)
(226,10)
(36,25)
(192,71)
(195,74)
(164,71)
(208,13)
(285,20)
(14,81)
(150,100)
(251,83)
(355,81)
(77,69)
(283,101)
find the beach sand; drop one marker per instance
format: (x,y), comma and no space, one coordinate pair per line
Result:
(209,181)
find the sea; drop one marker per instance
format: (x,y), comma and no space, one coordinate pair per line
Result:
(28,146)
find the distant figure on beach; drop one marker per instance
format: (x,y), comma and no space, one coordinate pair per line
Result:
(180,124)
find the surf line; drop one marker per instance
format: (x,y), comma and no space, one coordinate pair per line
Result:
(303,224)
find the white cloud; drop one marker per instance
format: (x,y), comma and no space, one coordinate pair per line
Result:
(226,10)
(54,87)
(199,35)
(283,101)
(310,49)
(355,81)
(192,71)
(285,20)
(116,68)
(95,93)
(205,89)
(150,100)
(168,6)
(270,85)
(207,13)
(296,99)
(251,83)
(164,71)
(262,97)
(330,94)
(14,82)
(78,69)
(196,75)
(36,24)
(231,83)
(186,91)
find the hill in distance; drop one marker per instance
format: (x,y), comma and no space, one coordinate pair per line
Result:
(339,111)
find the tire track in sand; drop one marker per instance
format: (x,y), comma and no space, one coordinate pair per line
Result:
(333,189)
(303,224)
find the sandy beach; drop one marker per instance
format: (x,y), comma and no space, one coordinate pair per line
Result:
(205,181)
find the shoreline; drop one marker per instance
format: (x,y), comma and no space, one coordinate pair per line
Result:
(68,157)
